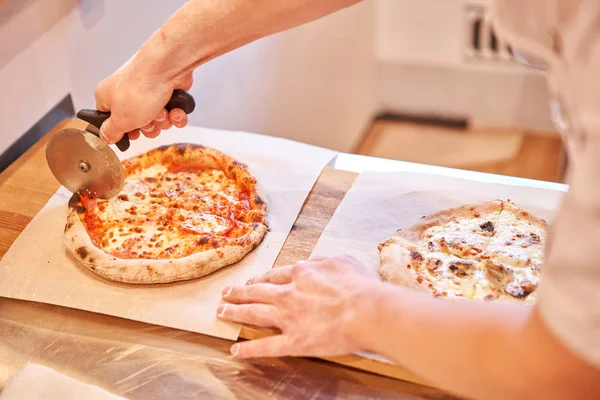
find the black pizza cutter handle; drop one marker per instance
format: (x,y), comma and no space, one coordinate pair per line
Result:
(180,99)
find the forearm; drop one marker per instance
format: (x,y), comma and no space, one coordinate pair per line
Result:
(203,29)
(476,349)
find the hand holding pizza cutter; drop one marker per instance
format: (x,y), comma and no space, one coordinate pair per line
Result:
(82,162)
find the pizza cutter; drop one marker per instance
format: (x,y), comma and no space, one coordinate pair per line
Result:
(83,163)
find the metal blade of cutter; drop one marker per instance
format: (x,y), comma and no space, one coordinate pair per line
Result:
(83,163)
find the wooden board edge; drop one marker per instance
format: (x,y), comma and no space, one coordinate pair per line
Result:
(352,360)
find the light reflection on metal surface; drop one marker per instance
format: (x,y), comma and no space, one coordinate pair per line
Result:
(141,361)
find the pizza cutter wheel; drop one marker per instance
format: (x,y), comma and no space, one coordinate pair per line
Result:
(84,164)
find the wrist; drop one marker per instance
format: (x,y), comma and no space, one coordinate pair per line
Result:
(154,63)
(387,304)
(370,311)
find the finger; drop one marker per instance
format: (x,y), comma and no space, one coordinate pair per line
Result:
(133,135)
(260,315)
(178,117)
(258,293)
(150,131)
(273,346)
(276,276)
(109,133)
(162,120)
(187,82)
(101,104)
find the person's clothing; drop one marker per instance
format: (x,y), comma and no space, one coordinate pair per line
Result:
(564,36)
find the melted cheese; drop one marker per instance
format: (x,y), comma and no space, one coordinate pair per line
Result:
(498,270)
(209,191)
(130,230)
(462,237)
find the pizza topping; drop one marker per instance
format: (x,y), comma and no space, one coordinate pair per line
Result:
(498,274)
(488,227)
(433,264)
(492,252)
(531,240)
(171,211)
(520,288)
(461,268)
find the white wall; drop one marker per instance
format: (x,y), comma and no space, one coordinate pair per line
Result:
(315,83)
(33,68)
(421,69)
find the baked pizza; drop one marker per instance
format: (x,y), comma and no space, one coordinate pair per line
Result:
(487,251)
(185,211)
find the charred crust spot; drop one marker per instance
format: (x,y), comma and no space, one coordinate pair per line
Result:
(80,209)
(189,146)
(82,252)
(92,260)
(123,197)
(150,179)
(203,240)
(181,148)
(477,215)
(415,255)
(488,226)
(534,239)
(258,200)
(430,246)
(420,278)
(408,266)
(489,297)
(68,226)
(433,264)
(75,200)
(520,289)
(460,269)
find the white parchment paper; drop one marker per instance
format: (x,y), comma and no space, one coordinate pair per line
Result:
(36,267)
(380,203)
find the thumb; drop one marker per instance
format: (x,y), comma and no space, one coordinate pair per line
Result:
(109,133)
(272,346)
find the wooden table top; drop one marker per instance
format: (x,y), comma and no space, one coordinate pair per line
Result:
(31,330)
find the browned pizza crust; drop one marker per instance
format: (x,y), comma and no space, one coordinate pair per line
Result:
(151,271)
(210,255)
(491,250)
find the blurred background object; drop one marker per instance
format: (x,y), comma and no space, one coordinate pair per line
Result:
(425,81)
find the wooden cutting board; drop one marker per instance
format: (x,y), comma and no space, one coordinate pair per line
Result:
(323,200)
(27,185)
